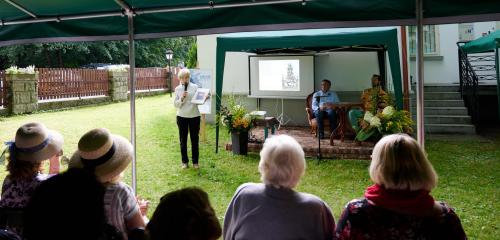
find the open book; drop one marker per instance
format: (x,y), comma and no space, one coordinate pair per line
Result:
(200,96)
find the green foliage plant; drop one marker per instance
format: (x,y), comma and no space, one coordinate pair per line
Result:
(192,58)
(234,116)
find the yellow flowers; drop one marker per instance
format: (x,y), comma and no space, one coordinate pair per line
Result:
(240,123)
(235,117)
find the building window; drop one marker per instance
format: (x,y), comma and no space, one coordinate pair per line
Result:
(466,31)
(431,40)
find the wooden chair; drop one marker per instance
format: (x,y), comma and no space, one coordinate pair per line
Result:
(313,122)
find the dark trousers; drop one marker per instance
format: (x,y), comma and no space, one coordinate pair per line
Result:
(193,126)
(319,115)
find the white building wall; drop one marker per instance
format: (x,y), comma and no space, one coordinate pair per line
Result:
(483,28)
(443,68)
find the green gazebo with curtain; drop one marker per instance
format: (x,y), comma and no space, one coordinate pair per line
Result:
(253,42)
(489,43)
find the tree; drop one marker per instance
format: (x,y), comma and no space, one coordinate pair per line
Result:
(149,53)
(192,57)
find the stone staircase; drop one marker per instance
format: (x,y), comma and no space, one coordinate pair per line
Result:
(444,110)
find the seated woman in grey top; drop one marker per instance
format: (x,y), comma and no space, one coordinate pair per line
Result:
(272,209)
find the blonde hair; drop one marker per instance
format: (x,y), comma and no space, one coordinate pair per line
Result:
(282,162)
(184,72)
(398,162)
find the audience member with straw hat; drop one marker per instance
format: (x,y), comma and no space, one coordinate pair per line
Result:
(33,144)
(108,155)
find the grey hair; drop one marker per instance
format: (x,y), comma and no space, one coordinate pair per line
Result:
(184,72)
(282,162)
(398,162)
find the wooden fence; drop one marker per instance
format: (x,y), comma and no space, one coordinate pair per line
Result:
(151,78)
(59,83)
(56,83)
(3,90)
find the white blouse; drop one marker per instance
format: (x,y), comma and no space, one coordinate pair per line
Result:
(184,107)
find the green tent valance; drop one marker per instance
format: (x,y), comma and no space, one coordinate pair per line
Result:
(484,44)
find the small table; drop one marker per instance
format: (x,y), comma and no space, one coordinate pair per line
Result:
(267,123)
(343,127)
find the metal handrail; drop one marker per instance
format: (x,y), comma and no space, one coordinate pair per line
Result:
(468,85)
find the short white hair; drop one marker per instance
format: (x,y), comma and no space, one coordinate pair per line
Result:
(282,162)
(398,162)
(184,72)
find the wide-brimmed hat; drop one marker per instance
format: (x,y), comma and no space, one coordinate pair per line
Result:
(108,155)
(34,143)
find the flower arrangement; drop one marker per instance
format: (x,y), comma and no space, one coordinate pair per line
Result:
(388,121)
(235,117)
(15,70)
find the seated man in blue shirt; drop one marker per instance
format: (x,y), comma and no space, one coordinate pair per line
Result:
(321,105)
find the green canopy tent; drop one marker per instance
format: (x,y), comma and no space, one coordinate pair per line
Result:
(489,43)
(27,21)
(254,42)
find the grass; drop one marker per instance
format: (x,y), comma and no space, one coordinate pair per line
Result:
(468,167)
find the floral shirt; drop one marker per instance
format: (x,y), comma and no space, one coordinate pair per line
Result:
(361,220)
(17,193)
(374,96)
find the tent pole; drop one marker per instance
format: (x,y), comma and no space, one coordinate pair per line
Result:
(404,53)
(420,74)
(497,66)
(131,61)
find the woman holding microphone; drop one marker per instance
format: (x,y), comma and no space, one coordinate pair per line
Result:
(188,117)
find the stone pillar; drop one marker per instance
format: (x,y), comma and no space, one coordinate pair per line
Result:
(118,85)
(22,93)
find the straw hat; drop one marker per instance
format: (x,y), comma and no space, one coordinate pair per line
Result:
(105,153)
(34,143)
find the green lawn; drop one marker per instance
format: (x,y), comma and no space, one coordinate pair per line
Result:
(469,168)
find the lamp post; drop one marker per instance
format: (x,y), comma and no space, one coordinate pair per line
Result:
(169,54)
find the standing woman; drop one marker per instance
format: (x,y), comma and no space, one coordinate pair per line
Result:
(188,117)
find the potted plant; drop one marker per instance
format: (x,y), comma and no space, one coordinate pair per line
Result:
(235,117)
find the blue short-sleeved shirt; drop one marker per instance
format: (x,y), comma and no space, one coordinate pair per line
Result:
(328,97)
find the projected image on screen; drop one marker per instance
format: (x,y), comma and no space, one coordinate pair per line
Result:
(279,75)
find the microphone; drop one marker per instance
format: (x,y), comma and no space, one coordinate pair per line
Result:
(186,87)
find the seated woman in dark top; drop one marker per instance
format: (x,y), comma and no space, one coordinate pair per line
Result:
(398,205)
(68,206)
